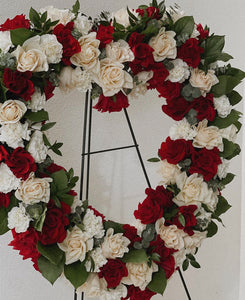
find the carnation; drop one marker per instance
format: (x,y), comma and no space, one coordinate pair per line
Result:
(93,225)
(18,219)
(180,71)
(14,133)
(5,41)
(119,51)
(182,130)
(51,48)
(229,133)
(8,181)
(98,260)
(83,24)
(194,241)
(222,105)
(37,148)
(223,168)
(37,102)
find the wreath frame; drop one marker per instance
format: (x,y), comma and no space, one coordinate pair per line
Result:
(112,104)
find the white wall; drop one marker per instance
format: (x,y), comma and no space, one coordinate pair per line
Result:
(117,183)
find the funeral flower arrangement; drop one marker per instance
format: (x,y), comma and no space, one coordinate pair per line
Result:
(117,57)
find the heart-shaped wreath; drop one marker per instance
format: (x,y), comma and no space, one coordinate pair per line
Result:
(116,57)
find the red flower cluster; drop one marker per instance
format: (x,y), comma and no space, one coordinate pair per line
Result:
(105,35)
(54,228)
(135,293)
(108,104)
(191,52)
(4,200)
(69,43)
(169,90)
(130,232)
(205,107)
(26,243)
(177,108)
(160,73)
(19,83)
(204,33)
(3,153)
(152,208)
(113,272)
(52,168)
(48,89)
(18,21)
(152,12)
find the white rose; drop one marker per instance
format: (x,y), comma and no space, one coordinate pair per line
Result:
(8,181)
(208,136)
(37,102)
(168,172)
(229,133)
(203,81)
(37,148)
(119,51)
(223,168)
(98,260)
(14,134)
(171,235)
(194,241)
(5,41)
(54,14)
(121,16)
(31,60)
(222,105)
(180,71)
(76,245)
(93,225)
(139,274)
(34,190)
(74,78)
(88,57)
(93,286)
(83,24)
(11,111)
(18,219)
(114,245)
(164,45)
(112,78)
(182,130)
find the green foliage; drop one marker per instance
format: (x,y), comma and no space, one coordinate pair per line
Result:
(76,7)
(118,228)
(229,177)
(189,92)
(225,86)
(181,219)
(212,229)
(185,264)
(20,35)
(232,118)
(230,149)
(50,271)
(184,26)
(51,252)
(38,116)
(222,206)
(234,97)
(47,126)
(154,159)
(76,273)
(159,282)
(135,256)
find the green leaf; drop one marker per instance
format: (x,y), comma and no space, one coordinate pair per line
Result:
(230,149)
(184,26)
(38,116)
(20,35)
(132,17)
(51,253)
(212,229)
(154,159)
(225,86)
(50,271)
(229,177)
(40,221)
(159,282)
(47,126)
(232,118)
(135,256)
(195,264)
(35,17)
(60,179)
(76,273)
(3,220)
(213,45)
(237,73)
(46,141)
(68,199)
(44,17)
(76,7)
(118,228)
(182,220)
(222,206)
(185,264)
(234,97)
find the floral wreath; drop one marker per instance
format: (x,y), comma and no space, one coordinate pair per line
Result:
(117,57)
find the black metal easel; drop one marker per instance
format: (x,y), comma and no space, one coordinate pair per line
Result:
(88,123)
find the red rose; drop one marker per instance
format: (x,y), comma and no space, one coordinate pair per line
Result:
(169,90)
(190,220)
(4,200)
(205,162)
(143,58)
(69,43)
(175,150)
(105,35)
(3,153)
(148,211)
(191,52)
(130,232)
(19,83)
(52,168)
(135,293)
(113,272)
(204,33)
(54,228)
(205,107)
(18,21)
(177,108)
(152,12)
(160,73)
(26,243)
(108,104)
(160,195)
(48,90)
(135,38)
(21,163)
(97,213)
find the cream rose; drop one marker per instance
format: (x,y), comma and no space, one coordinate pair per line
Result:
(34,190)
(112,78)
(88,57)
(208,136)
(76,245)
(168,172)
(171,235)
(139,274)
(164,45)
(11,111)
(64,16)
(114,245)
(203,81)
(119,51)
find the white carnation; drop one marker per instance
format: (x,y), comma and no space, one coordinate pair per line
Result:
(18,219)
(5,41)
(168,172)
(223,168)
(37,148)
(98,259)
(93,225)
(182,130)
(222,105)
(119,51)
(8,181)
(229,133)
(194,241)
(179,257)
(83,24)
(14,133)
(180,71)
(114,294)
(137,91)
(64,16)
(51,48)
(37,102)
